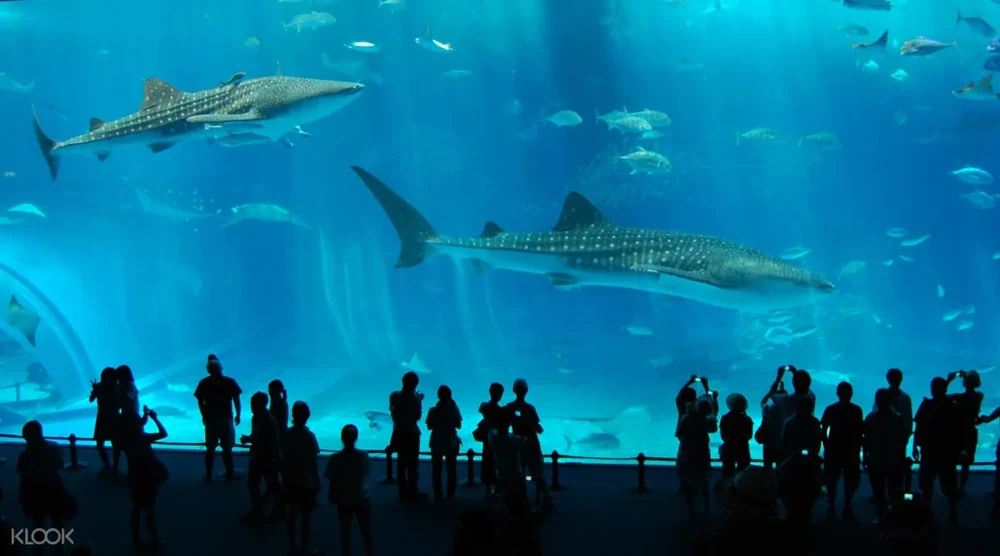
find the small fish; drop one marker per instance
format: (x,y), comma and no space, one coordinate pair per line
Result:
(940,291)
(458,74)
(878,44)
(896,232)
(378,420)
(264,212)
(647,162)
(179,388)
(853,30)
(252,43)
(394,5)
(915,241)
(760,134)
(906,259)
(965,325)
(655,118)
(887,262)
(977,24)
(796,252)
(427,42)
(22,319)
(363,46)
(874,5)
(630,124)
(806,331)
(980,199)
(27,208)
(977,91)
(923,46)
(8,174)
(310,21)
(852,267)
(951,315)
(637,330)
(653,134)
(972,175)
(565,118)
(823,140)
(169,411)
(900,75)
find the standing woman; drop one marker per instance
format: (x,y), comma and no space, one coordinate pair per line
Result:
(106,427)
(279,406)
(444,420)
(970,403)
(490,411)
(694,457)
(146,473)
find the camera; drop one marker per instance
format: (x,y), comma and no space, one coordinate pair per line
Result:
(805,452)
(517,413)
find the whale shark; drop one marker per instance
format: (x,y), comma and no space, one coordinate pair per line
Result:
(265,107)
(585,248)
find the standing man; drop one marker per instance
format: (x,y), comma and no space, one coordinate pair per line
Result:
(217,396)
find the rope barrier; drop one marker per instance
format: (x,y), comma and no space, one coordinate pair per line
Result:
(555,458)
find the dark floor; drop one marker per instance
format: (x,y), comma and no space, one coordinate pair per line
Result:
(596,514)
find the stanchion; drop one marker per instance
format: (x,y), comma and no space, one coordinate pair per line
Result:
(74,462)
(641,487)
(555,486)
(472,469)
(388,480)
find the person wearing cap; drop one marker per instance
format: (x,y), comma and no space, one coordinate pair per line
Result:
(217,396)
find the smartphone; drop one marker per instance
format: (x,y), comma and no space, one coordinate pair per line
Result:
(697,379)
(805,452)
(908,496)
(517,414)
(527,478)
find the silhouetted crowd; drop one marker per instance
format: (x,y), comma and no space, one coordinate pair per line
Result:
(806,457)
(803,459)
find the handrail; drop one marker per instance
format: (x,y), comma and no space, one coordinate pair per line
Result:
(555,458)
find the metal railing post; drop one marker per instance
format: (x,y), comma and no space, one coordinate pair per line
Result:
(641,487)
(555,486)
(388,480)
(74,458)
(472,469)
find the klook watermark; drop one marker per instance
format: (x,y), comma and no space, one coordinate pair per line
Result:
(41,537)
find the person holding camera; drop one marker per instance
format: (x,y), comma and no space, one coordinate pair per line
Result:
(527,425)
(406,408)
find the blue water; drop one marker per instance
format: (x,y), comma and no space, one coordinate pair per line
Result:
(324,310)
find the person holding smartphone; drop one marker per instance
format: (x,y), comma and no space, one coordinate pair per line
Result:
(527,425)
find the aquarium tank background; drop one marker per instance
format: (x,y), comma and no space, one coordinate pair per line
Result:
(847,162)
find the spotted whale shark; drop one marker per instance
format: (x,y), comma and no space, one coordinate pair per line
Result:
(267,108)
(585,248)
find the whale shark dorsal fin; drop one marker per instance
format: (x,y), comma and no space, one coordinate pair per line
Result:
(157,91)
(22,319)
(578,213)
(96,123)
(491,229)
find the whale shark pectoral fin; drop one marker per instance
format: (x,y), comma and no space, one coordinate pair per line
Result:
(160,147)
(578,213)
(251,116)
(479,266)
(563,281)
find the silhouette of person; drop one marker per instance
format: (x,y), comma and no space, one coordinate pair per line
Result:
(528,426)
(488,410)
(970,402)
(694,457)
(802,434)
(217,396)
(772,425)
(444,420)
(146,473)
(348,472)
(264,456)
(886,435)
(843,434)
(406,408)
(686,397)
(42,493)
(106,427)
(937,445)
(902,404)
(279,406)
(736,429)
(300,474)
(995,514)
